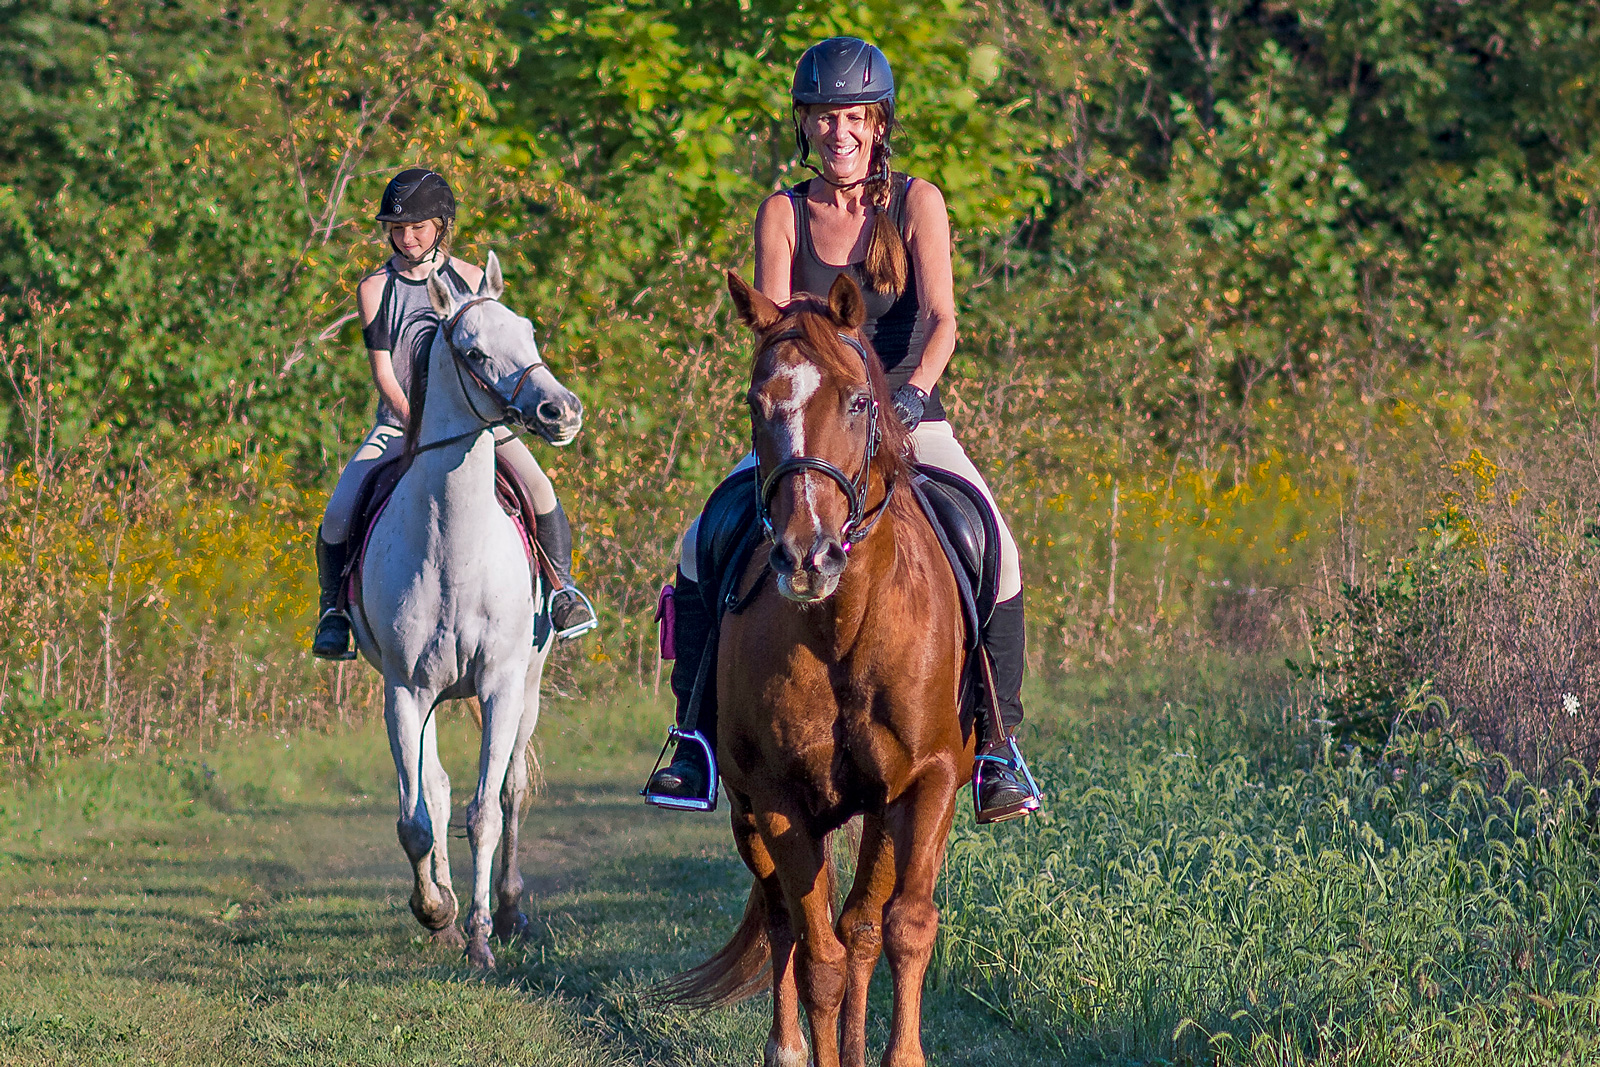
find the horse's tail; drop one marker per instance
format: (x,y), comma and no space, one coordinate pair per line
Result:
(740,969)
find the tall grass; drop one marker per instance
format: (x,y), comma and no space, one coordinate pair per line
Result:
(152,602)
(1196,891)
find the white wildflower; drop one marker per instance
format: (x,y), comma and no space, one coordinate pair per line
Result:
(1571,703)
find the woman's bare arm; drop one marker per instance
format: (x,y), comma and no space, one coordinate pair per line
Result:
(928,242)
(368,296)
(775,247)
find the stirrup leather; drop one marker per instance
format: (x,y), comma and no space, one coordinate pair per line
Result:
(583,627)
(349,636)
(662,800)
(1018,767)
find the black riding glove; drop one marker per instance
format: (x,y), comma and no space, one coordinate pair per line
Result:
(909,403)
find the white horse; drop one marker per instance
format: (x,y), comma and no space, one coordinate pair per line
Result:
(448,603)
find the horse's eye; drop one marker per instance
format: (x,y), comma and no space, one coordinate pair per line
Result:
(860,403)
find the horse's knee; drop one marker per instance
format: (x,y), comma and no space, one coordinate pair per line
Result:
(416,838)
(861,931)
(910,927)
(819,971)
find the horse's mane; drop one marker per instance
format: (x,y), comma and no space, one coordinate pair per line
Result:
(417,387)
(809,316)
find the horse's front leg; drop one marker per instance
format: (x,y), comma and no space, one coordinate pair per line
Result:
(509,922)
(861,930)
(802,869)
(501,696)
(415,747)
(786,1045)
(919,828)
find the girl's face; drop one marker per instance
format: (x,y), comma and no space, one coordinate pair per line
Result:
(414,239)
(844,137)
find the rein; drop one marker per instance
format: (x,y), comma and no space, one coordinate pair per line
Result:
(855,490)
(508,413)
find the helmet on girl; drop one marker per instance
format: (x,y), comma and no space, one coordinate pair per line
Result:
(417,195)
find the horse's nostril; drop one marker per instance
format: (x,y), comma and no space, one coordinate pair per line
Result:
(550,411)
(830,559)
(782,559)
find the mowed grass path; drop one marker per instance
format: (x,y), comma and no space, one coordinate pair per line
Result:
(248,906)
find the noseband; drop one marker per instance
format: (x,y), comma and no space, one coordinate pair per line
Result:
(859,524)
(508,411)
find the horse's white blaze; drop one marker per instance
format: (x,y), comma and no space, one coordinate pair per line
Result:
(790,420)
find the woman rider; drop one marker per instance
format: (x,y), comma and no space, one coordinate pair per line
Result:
(418,213)
(891,234)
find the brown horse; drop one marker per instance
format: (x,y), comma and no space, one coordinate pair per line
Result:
(838,695)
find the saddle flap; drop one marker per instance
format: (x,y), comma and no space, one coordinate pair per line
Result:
(725,538)
(969,527)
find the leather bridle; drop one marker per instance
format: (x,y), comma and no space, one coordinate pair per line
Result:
(855,490)
(507,404)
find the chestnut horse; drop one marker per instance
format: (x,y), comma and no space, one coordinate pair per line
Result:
(837,695)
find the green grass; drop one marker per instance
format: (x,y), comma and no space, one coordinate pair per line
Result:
(1203,888)
(248,906)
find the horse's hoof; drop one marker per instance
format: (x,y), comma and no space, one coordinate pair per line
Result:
(449,936)
(479,958)
(510,926)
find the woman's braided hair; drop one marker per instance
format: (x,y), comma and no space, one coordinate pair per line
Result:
(885,267)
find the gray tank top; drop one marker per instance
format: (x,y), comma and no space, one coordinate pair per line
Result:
(894,324)
(404,316)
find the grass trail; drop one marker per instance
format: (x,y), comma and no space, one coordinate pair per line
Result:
(248,906)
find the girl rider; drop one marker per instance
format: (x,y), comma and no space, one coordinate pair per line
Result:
(418,213)
(891,234)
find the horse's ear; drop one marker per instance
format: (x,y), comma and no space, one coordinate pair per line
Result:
(439,295)
(756,310)
(493,283)
(845,301)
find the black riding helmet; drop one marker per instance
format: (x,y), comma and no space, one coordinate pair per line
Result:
(840,72)
(416,195)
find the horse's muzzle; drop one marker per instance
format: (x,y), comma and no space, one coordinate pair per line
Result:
(808,576)
(557,420)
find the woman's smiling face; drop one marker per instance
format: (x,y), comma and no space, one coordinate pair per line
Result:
(414,239)
(844,137)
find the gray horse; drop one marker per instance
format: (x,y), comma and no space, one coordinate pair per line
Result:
(448,600)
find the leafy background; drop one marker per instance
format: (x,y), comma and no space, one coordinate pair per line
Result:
(1238,282)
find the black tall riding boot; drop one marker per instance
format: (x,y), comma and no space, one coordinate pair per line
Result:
(1000,783)
(688,776)
(333,626)
(570,612)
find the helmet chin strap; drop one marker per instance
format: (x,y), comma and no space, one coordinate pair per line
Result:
(426,256)
(880,173)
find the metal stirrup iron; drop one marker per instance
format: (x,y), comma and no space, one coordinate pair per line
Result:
(1013,763)
(665,800)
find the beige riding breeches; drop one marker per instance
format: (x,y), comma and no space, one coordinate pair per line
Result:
(935,444)
(385,442)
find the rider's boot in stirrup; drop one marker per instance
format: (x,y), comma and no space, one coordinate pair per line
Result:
(688,776)
(333,626)
(1001,785)
(570,611)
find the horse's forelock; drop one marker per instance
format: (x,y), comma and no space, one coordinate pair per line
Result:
(819,338)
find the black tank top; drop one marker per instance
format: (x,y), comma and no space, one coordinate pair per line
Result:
(894,325)
(404,314)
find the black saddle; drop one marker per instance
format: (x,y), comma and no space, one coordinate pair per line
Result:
(970,536)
